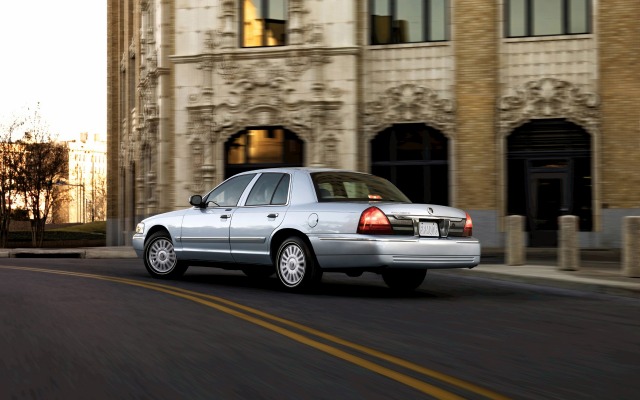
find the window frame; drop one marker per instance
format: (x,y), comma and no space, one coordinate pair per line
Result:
(426,18)
(529,20)
(264,6)
(229,185)
(281,178)
(343,179)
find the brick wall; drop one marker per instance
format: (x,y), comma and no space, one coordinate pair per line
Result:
(476,90)
(619,47)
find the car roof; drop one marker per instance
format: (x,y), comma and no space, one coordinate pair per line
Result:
(302,169)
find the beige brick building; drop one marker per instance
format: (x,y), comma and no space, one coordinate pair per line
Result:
(498,107)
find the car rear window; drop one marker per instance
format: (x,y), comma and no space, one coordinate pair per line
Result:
(353,186)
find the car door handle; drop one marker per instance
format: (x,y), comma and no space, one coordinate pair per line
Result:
(272,216)
(225,216)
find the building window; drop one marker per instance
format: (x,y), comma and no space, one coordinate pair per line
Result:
(262,148)
(414,157)
(264,23)
(408,21)
(547,17)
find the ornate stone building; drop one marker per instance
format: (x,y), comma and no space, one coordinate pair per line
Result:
(499,107)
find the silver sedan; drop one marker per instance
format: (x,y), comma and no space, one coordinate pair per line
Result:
(301,222)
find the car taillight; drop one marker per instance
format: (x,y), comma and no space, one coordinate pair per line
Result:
(468,226)
(373,221)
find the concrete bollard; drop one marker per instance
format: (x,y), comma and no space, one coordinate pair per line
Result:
(515,250)
(568,247)
(631,247)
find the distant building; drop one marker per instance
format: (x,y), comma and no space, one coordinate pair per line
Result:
(87,178)
(498,107)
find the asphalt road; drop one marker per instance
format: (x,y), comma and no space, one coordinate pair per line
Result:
(102,329)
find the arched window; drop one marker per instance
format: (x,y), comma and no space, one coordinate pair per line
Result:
(549,174)
(415,158)
(262,147)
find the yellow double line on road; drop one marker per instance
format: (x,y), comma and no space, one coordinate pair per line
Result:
(262,319)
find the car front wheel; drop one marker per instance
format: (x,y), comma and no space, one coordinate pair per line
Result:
(160,257)
(404,280)
(295,265)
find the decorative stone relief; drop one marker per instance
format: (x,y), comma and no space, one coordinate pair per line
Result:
(200,125)
(211,40)
(152,60)
(548,98)
(262,100)
(409,103)
(330,146)
(132,49)
(228,33)
(197,161)
(299,61)
(228,68)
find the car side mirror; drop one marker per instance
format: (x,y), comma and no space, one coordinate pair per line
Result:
(196,200)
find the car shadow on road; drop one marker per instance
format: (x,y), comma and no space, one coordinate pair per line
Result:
(330,286)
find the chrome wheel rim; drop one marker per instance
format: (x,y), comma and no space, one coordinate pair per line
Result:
(292,264)
(161,256)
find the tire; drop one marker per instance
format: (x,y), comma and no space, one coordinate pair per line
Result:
(295,265)
(160,257)
(261,272)
(404,280)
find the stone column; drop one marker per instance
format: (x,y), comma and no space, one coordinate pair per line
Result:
(515,250)
(631,247)
(568,248)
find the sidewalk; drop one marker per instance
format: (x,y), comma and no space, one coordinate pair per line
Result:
(600,270)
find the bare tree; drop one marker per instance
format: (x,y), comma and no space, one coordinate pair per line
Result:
(11,158)
(45,165)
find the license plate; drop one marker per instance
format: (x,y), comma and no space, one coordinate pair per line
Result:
(428,229)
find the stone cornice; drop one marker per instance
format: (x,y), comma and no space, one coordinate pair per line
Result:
(264,53)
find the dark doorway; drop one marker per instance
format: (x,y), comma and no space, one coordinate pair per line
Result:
(262,147)
(549,175)
(414,158)
(548,200)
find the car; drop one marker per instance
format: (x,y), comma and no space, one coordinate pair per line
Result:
(301,222)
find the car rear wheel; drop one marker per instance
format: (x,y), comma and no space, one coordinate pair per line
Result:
(160,257)
(404,280)
(295,265)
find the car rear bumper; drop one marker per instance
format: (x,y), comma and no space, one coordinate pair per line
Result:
(358,251)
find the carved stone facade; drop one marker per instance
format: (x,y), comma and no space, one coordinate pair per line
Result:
(182,86)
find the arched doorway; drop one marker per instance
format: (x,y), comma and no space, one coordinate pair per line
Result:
(549,175)
(414,158)
(262,147)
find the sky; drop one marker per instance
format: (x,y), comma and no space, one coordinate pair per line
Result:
(55,53)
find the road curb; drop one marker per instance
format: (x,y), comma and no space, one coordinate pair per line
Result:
(571,283)
(95,253)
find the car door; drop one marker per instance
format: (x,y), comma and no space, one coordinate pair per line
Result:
(254,222)
(205,230)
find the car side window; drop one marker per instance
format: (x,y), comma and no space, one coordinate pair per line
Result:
(228,194)
(263,191)
(282,191)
